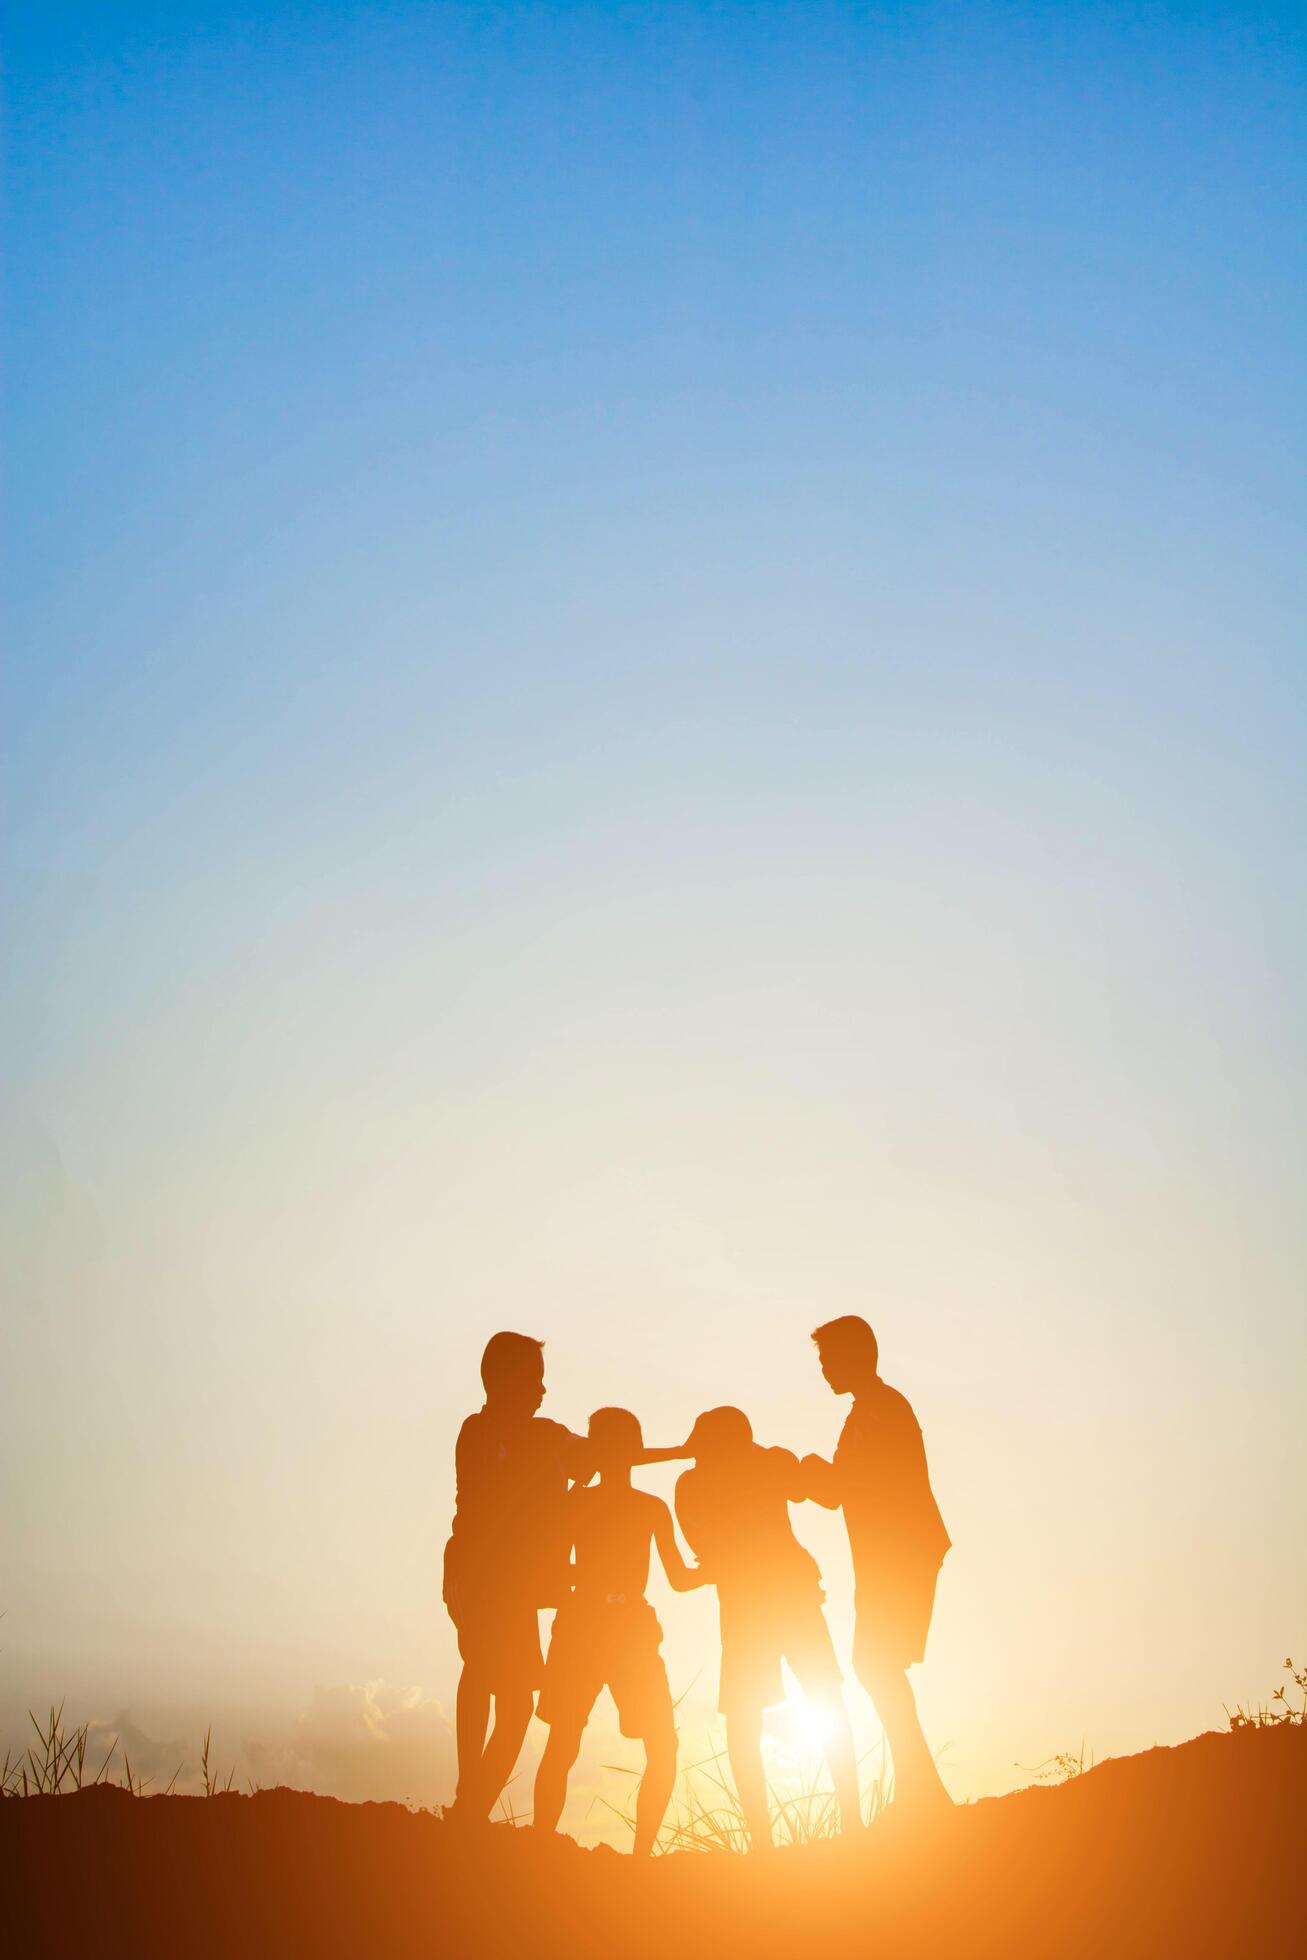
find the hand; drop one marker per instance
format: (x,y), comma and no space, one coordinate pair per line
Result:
(816,1476)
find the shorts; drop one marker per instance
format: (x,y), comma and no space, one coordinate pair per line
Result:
(758,1634)
(892,1619)
(617,1645)
(498,1630)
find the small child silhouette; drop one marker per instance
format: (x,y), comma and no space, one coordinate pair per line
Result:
(606,1632)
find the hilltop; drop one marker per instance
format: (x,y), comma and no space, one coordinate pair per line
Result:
(1190,1850)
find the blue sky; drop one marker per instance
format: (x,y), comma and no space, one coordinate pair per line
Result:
(653,653)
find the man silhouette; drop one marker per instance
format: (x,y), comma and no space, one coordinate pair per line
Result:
(880,1478)
(506,1558)
(606,1632)
(733,1508)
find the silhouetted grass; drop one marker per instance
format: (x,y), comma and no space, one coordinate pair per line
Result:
(704,1816)
(55,1764)
(1288,1709)
(1288,1703)
(705,1812)
(56,1761)
(1060,1768)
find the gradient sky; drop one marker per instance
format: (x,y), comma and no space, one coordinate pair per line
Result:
(654,690)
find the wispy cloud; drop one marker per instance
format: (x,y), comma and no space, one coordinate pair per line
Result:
(121,1743)
(368,1741)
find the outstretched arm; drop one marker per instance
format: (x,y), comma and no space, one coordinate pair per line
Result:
(680,1576)
(578,1456)
(820,1482)
(676,1454)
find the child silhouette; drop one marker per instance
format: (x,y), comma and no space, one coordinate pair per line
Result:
(606,1632)
(734,1510)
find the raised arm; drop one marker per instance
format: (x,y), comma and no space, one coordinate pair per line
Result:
(680,1576)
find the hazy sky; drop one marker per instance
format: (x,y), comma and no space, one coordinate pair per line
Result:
(654,690)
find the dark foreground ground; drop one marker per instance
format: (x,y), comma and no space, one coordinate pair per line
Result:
(1195,1850)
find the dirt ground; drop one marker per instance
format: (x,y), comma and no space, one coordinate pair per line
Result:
(1188,1851)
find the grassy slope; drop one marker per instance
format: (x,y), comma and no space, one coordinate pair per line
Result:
(1195,1850)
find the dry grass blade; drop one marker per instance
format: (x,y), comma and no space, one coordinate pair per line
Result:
(706,1817)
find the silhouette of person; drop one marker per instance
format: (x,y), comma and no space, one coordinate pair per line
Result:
(506,1558)
(607,1633)
(733,1508)
(896,1535)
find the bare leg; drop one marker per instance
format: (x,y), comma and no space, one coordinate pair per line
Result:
(744,1747)
(655,1787)
(471,1718)
(916,1779)
(512,1714)
(561,1751)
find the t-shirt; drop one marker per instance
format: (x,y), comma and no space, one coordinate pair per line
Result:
(509,1533)
(884,1484)
(736,1517)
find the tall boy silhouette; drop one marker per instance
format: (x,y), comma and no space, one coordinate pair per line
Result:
(606,1632)
(896,1535)
(733,1507)
(506,1558)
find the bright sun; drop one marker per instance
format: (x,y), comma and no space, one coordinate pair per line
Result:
(812,1726)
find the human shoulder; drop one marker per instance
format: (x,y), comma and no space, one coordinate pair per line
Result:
(784,1462)
(473,1434)
(545,1429)
(882,1407)
(556,1439)
(896,1409)
(780,1468)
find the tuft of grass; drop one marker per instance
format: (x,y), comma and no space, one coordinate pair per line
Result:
(507,1811)
(1062,1768)
(213,1786)
(55,1764)
(705,1813)
(1288,1704)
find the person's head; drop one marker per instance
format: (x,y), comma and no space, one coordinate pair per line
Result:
(720,1435)
(616,1439)
(513,1371)
(848,1354)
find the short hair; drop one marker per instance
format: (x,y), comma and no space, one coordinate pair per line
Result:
(616,1429)
(508,1357)
(851,1333)
(723,1428)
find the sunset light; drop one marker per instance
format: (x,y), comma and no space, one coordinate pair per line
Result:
(653,1122)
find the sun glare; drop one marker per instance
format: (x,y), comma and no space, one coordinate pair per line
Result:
(812,1726)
